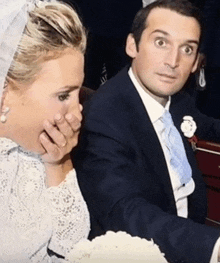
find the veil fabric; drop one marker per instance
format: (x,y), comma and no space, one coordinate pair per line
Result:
(13,18)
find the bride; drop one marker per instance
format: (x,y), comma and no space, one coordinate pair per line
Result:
(42,211)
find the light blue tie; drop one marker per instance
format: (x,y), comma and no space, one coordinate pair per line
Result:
(174,144)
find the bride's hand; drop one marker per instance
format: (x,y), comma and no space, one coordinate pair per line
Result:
(60,139)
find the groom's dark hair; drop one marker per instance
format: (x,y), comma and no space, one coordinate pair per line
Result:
(183,7)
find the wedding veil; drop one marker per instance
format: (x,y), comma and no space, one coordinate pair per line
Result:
(13,18)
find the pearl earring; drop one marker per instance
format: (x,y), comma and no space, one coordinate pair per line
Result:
(3,117)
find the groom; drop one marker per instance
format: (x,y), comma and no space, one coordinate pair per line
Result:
(125,165)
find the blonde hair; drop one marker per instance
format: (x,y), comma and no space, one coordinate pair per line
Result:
(50,30)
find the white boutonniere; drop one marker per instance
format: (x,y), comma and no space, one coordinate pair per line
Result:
(188,126)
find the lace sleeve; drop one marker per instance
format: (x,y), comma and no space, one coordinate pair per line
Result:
(70,216)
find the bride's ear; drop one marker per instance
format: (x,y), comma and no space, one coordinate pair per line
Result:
(9,91)
(6,99)
(4,107)
(4,93)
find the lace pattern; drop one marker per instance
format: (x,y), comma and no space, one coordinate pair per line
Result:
(73,217)
(33,217)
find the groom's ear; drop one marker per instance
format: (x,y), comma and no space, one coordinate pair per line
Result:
(131,48)
(197,63)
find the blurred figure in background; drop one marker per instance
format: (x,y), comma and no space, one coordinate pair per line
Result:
(108,23)
(147,2)
(209,100)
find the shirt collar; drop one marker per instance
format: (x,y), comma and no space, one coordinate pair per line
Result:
(154,109)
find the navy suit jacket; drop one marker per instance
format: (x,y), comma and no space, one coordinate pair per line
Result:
(124,178)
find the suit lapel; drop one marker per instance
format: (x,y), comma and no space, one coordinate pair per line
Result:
(147,138)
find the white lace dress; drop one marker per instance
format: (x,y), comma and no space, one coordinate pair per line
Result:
(33,217)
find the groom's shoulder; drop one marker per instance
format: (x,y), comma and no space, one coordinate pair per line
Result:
(116,81)
(112,88)
(110,96)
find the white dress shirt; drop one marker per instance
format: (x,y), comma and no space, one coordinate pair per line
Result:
(155,110)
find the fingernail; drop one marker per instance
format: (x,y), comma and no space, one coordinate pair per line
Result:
(63,144)
(58,116)
(69,116)
(43,136)
(47,123)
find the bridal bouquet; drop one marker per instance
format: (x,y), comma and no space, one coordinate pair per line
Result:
(116,247)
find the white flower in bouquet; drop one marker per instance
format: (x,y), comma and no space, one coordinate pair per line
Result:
(116,247)
(188,126)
